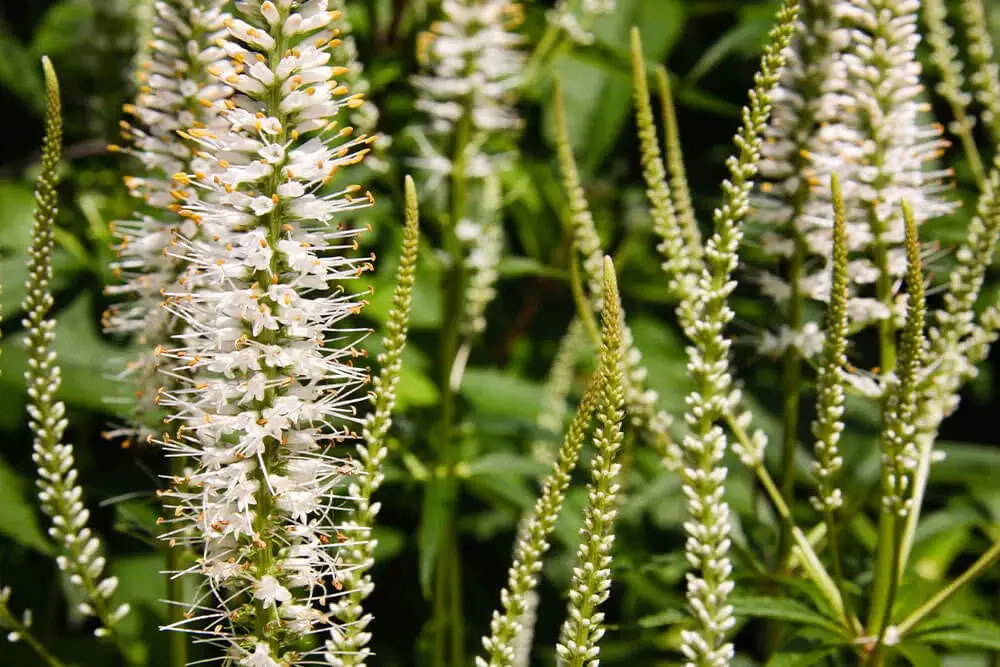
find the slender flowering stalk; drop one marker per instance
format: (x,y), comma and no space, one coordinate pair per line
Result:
(679,189)
(591,584)
(945,56)
(704,316)
(641,402)
(176,93)
(682,265)
(533,539)
(552,415)
(577,17)
(830,391)
(267,387)
(985,71)
(780,207)
(60,495)
(899,433)
(829,423)
(349,646)
(948,341)
(474,66)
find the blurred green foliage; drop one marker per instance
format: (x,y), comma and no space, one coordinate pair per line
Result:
(710,48)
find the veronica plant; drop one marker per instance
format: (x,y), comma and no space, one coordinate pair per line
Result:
(267,386)
(80,550)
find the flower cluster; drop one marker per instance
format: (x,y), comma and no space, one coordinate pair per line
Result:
(473,67)
(177,92)
(266,384)
(875,142)
(577,17)
(787,173)
(59,492)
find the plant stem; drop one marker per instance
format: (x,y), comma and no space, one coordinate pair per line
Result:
(447,611)
(791,381)
(583,307)
(939,598)
(10,623)
(457,620)
(177,648)
(810,561)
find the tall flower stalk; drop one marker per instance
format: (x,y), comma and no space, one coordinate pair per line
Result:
(640,401)
(590,587)
(704,314)
(267,387)
(473,66)
(176,92)
(80,550)
(349,646)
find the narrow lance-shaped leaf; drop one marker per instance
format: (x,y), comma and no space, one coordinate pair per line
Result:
(60,495)
(591,584)
(349,647)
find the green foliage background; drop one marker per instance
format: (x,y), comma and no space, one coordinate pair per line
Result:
(711,48)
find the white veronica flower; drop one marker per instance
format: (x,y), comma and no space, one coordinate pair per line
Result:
(473,66)
(577,17)
(265,385)
(177,91)
(875,139)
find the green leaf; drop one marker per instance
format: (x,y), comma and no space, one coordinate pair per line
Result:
(438,512)
(503,490)
(965,463)
(493,392)
(783,609)
(745,38)
(86,359)
(519,267)
(19,72)
(17,202)
(597,82)
(974,637)
(919,655)
(505,463)
(799,658)
(18,519)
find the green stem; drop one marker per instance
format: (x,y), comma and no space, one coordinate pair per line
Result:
(791,381)
(583,307)
(450,341)
(457,620)
(939,598)
(550,40)
(811,563)
(885,612)
(440,611)
(10,623)
(177,641)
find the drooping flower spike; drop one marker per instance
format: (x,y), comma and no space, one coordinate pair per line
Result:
(267,388)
